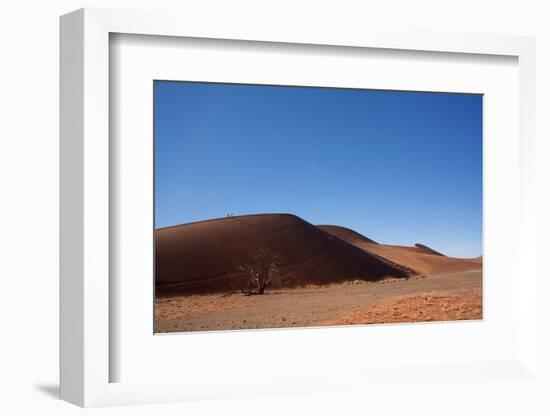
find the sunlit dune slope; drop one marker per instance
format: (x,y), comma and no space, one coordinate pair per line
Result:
(204,256)
(423,262)
(419,257)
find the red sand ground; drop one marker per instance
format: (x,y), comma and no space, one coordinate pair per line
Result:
(419,308)
(323,305)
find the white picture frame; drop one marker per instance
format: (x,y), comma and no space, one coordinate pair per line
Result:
(86,301)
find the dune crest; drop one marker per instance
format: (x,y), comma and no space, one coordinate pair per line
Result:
(428,250)
(346,234)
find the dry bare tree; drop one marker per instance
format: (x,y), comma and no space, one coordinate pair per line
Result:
(264,272)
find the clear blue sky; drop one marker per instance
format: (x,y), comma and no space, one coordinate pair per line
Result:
(398,167)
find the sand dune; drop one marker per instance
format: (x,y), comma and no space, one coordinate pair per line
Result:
(420,258)
(204,256)
(346,234)
(427,249)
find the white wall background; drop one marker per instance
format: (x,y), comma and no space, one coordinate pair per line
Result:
(29,206)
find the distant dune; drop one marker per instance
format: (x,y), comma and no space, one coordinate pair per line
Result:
(204,256)
(423,262)
(419,257)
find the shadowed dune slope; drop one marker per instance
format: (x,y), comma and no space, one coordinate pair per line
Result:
(204,256)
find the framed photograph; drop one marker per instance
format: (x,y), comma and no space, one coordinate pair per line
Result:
(264,197)
(269,211)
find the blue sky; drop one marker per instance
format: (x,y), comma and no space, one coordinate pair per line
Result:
(398,167)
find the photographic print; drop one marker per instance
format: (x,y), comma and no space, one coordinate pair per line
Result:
(292,207)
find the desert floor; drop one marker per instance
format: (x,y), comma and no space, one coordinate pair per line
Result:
(456,296)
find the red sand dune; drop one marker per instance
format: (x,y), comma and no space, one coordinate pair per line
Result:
(346,234)
(419,257)
(427,249)
(204,256)
(423,262)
